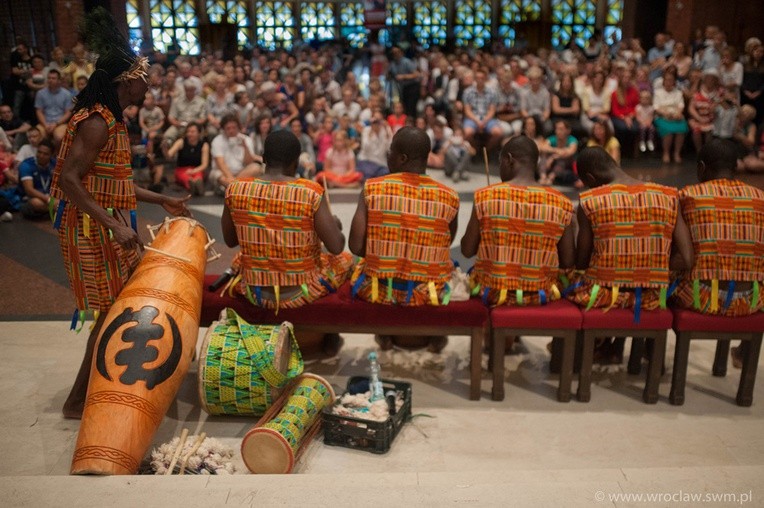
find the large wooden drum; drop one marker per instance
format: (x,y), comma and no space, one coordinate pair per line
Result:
(243,368)
(143,351)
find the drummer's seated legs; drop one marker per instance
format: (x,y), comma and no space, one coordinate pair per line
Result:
(339,313)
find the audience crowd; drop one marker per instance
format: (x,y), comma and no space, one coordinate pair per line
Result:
(209,116)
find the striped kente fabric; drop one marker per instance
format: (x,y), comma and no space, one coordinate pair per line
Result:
(408,234)
(98,268)
(110,180)
(633,226)
(274,224)
(726,221)
(741,303)
(520,228)
(335,270)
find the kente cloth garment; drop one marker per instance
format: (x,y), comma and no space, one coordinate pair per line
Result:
(726,222)
(739,303)
(520,227)
(334,272)
(110,180)
(274,223)
(632,227)
(408,237)
(398,292)
(97,266)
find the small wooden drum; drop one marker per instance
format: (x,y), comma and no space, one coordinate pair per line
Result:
(282,434)
(243,368)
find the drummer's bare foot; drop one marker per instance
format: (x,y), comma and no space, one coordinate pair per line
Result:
(73,408)
(385,342)
(437,343)
(737,357)
(332,344)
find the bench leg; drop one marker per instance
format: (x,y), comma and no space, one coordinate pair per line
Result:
(751,350)
(566,367)
(679,375)
(476,348)
(635,357)
(585,375)
(654,368)
(720,358)
(555,361)
(497,357)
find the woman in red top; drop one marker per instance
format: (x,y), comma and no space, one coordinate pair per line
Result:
(623,104)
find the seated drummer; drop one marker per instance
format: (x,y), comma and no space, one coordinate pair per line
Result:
(726,221)
(630,234)
(280,222)
(522,233)
(403,229)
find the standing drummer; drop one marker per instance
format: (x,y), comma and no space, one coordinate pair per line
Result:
(94,187)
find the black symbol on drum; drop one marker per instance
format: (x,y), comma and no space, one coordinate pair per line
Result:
(141,353)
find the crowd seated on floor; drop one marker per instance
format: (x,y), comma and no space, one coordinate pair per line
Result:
(627,100)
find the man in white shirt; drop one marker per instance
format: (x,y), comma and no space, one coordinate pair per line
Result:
(185,76)
(233,155)
(375,142)
(347,106)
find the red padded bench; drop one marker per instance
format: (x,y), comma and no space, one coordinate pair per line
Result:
(558,319)
(338,312)
(690,325)
(620,323)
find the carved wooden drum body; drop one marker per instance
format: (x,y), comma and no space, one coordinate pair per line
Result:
(144,350)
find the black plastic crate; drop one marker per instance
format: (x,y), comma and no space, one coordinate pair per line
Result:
(371,436)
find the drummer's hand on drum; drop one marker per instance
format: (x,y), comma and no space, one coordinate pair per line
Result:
(126,237)
(177,206)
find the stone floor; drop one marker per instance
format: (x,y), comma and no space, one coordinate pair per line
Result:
(527,450)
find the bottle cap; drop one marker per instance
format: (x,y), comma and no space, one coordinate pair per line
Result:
(372,356)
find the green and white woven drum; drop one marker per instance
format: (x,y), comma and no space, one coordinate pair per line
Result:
(243,368)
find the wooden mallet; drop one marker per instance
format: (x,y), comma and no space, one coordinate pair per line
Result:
(487,171)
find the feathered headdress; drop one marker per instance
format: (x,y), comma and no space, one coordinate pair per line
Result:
(116,62)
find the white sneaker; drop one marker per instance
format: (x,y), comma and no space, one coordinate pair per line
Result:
(642,146)
(6,217)
(650,146)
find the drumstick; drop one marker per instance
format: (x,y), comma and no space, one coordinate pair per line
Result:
(181,443)
(487,172)
(179,258)
(197,444)
(328,201)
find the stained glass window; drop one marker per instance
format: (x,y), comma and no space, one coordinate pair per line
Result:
(397,19)
(317,21)
(174,24)
(516,11)
(473,23)
(352,23)
(430,23)
(573,20)
(233,12)
(275,25)
(134,24)
(612,31)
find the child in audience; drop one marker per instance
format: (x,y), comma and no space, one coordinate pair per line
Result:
(243,108)
(703,107)
(645,114)
(458,152)
(339,165)
(151,119)
(562,156)
(322,139)
(725,116)
(398,119)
